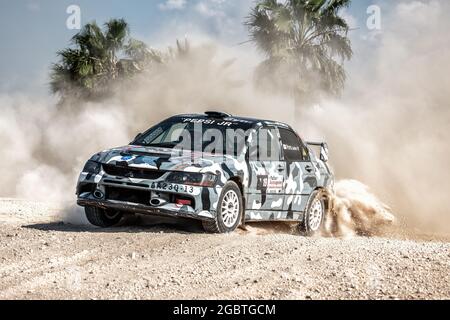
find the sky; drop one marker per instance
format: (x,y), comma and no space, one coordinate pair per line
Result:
(32,31)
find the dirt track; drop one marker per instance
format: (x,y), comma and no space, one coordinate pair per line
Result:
(41,258)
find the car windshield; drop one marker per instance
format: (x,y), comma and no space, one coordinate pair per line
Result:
(214,136)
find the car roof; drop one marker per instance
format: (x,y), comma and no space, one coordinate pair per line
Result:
(227,117)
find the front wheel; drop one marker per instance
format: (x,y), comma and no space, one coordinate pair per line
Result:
(103,218)
(229,211)
(314,218)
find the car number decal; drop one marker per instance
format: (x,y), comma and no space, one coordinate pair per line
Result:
(262,183)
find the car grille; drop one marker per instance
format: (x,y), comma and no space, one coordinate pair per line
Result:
(128,195)
(129,172)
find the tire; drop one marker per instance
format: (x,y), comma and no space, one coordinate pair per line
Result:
(315,215)
(103,218)
(229,211)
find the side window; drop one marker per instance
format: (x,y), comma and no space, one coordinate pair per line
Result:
(265,145)
(293,148)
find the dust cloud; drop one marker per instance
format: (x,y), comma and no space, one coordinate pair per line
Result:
(356,211)
(388,131)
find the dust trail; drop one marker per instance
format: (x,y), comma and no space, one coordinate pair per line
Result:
(391,128)
(356,211)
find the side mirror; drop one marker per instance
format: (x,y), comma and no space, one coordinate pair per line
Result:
(324,153)
(137,137)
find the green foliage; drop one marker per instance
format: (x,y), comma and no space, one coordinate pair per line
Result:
(305,43)
(97,59)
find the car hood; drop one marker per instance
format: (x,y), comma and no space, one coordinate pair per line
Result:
(162,159)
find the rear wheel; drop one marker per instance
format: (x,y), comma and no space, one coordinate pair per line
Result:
(229,211)
(314,218)
(103,218)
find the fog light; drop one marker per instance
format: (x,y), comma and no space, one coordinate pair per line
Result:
(184,202)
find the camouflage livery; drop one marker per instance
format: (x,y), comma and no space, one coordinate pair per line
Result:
(137,179)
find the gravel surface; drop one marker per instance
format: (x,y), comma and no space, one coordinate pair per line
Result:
(43,258)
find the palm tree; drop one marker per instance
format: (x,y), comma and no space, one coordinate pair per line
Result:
(90,69)
(305,43)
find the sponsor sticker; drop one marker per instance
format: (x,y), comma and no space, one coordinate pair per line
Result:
(275,184)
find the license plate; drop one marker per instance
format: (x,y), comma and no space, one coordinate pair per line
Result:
(163,186)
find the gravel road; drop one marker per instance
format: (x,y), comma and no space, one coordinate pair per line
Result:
(43,258)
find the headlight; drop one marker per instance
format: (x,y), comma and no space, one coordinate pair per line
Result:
(92,167)
(193,178)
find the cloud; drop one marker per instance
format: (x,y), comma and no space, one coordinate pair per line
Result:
(173,5)
(218,19)
(210,8)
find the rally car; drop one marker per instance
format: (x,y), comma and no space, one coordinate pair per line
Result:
(223,170)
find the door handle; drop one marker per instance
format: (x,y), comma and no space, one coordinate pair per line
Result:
(309,168)
(280,168)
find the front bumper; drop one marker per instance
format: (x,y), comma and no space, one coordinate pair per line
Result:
(168,210)
(135,196)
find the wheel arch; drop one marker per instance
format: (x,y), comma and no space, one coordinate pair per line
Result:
(238,181)
(240,184)
(325,194)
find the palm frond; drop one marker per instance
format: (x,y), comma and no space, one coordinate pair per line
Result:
(307,37)
(116,33)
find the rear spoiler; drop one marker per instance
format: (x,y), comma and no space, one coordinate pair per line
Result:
(317,144)
(323,149)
